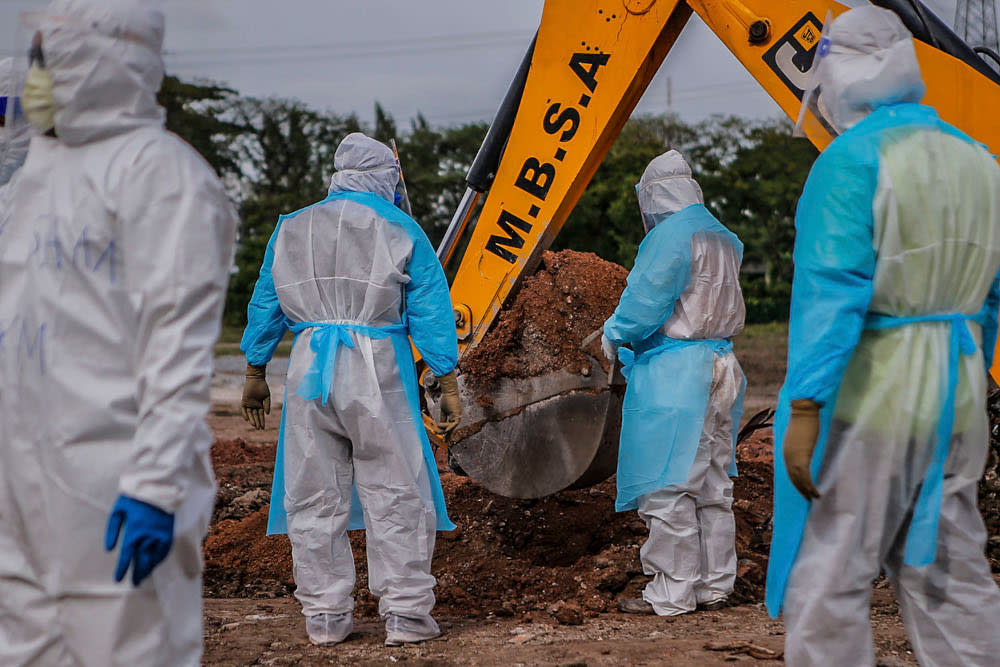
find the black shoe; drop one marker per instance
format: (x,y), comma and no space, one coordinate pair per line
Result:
(635,606)
(714,605)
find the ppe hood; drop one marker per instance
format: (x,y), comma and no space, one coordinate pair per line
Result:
(106,65)
(666,187)
(871,63)
(364,165)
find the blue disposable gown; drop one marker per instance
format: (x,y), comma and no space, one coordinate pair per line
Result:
(893,296)
(426,318)
(670,377)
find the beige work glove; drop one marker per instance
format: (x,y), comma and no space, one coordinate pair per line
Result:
(799,444)
(256,396)
(451,404)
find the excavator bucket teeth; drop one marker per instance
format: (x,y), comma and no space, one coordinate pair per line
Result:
(534,437)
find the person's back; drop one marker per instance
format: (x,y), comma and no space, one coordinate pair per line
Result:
(356,279)
(892,328)
(936,253)
(685,392)
(937,249)
(712,304)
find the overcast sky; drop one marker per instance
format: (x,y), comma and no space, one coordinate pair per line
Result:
(450,60)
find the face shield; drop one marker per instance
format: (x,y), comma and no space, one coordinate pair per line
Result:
(15,133)
(814,119)
(649,220)
(866,60)
(667,186)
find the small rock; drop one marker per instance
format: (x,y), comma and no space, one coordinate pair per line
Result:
(569,614)
(638,528)
(504,611)
(230,626)
(612,581)
(450,535)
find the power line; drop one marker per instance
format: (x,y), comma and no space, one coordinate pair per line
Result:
(353,51)
(286,48)
(357,55)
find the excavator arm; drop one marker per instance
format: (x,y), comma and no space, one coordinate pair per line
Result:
(587,68)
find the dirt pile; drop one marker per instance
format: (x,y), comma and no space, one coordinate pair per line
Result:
(560,557)
(569,297)
(989,487)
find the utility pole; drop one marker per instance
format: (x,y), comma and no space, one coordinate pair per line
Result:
(976,23)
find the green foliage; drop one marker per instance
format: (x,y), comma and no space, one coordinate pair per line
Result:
(751,174)
(286,153)
(276,156)
(435,163)
(196,112)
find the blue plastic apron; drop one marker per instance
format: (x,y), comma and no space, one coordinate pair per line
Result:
(316,384)
(921,537)
(663,416)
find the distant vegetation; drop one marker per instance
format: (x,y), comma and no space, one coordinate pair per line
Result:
(276,156)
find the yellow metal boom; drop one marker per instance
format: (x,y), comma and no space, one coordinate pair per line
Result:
(591,62)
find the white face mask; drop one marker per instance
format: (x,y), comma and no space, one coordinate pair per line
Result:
(37,101)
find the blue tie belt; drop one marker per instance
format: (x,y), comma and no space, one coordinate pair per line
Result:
(921,540)
(628,358)
(326,340)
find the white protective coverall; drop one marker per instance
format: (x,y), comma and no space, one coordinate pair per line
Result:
(16,133)
(354,276)
(893,324)
(685,390)
(124,237)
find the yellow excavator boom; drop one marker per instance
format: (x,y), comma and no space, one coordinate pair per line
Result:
(588,66)
(592,61)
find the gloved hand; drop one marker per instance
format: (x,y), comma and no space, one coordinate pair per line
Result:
(256,396)
(610,349)
(451,404)
(800,441)
(149,533)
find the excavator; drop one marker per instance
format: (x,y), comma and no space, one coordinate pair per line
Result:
(581,78)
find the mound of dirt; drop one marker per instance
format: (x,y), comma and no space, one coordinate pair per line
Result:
(989,487)
(508,557)
(568,298)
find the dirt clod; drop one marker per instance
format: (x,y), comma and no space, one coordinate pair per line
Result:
(569,614)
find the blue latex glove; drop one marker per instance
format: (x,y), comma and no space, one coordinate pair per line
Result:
(149,534)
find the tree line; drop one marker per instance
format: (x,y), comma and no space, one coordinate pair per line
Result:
(276,156)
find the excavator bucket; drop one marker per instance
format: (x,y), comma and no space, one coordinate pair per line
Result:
(536,436)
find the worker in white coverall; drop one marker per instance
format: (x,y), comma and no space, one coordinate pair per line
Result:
(15,132)
(685,393)
(123,236)
(355,278)
(882,432)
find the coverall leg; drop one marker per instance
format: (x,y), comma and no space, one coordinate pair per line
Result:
(366,435)
(393,484)
(950,607)
(691,546)
(868,489)
(318,478)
